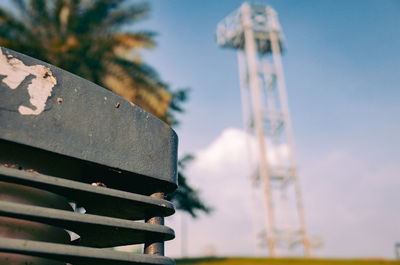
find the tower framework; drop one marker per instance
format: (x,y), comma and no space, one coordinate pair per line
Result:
(255,32)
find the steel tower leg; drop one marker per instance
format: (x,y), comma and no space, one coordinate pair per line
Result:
(276,52)
(251,53)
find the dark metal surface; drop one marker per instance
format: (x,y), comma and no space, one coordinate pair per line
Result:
(81,170)
(87,125)
(114,203)
(113,231)
(79,255)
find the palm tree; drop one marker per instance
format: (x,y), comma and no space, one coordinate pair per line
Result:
(185,197)
(88,39)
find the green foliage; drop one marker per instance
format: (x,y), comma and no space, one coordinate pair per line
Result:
(88,38)
(185,197)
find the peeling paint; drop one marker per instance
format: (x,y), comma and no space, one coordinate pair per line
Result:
(40,88)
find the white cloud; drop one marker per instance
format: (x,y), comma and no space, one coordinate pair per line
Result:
(220,172)
(353,205)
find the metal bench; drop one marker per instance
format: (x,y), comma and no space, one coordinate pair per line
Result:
(80,169)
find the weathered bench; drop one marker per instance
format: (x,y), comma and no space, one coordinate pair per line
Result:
(79,168)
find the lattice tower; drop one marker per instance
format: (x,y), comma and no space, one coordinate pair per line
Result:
(255,32)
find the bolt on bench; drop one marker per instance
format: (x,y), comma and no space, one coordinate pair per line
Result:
(80,169)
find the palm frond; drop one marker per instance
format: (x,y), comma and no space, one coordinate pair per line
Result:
(38,13)
(8,21)
(143,39)
(122,16)
(92,17)
(185,197)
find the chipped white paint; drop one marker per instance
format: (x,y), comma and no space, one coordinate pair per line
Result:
(40,88)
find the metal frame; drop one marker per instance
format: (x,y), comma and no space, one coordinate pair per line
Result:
(254,31)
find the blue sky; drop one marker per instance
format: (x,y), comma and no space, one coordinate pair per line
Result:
(342,72)
(341,68)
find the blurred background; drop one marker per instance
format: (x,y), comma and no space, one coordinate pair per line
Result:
(341,66)
(342,72)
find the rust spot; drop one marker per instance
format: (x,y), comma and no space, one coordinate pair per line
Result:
(59,100)
(31,171)
(99,184)
(19,167)
(8,165)
(117,105)
(46,74)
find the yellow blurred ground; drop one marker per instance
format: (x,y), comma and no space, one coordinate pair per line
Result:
(283,261)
